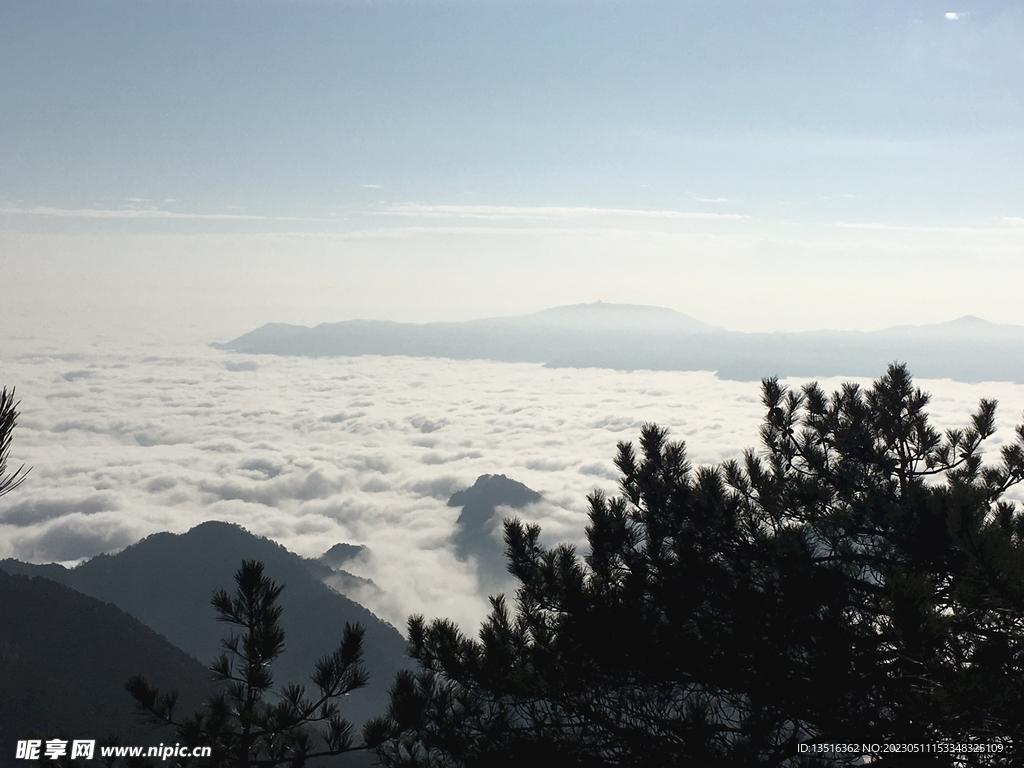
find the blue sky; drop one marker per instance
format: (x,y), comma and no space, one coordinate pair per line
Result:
(285,105)
(322,117)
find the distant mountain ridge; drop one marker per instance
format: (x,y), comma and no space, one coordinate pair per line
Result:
(637,337)
(968,325)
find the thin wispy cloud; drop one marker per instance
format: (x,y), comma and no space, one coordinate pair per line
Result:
(883,226)
(405,220)
(410,210)
(579,232)
(544,212)
(142,213)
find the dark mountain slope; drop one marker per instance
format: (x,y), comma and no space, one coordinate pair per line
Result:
(64,660)
(166,581)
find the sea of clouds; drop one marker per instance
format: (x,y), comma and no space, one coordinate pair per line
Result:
(125,441)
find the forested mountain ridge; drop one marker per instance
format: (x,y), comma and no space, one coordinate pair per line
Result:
(166,581)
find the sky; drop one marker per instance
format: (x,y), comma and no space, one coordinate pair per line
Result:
(195,169)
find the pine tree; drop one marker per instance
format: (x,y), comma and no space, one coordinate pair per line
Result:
(246,724)
(8,420)
(858,580)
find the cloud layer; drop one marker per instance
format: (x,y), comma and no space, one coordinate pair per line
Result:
(127,441)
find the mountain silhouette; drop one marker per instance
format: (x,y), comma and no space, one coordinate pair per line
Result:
(166,580)
(478,528)
(636,337)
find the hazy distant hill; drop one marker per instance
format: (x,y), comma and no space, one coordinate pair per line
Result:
(166,581)
(64,660)
(478,529)
(630,337)
(539,338)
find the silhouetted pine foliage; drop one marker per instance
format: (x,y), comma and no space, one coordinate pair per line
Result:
(860,579)
(8,420)
(247,723)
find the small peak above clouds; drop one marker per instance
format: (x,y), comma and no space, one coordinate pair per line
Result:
(970,320)
(490,491)
(341,553)
(478,530)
